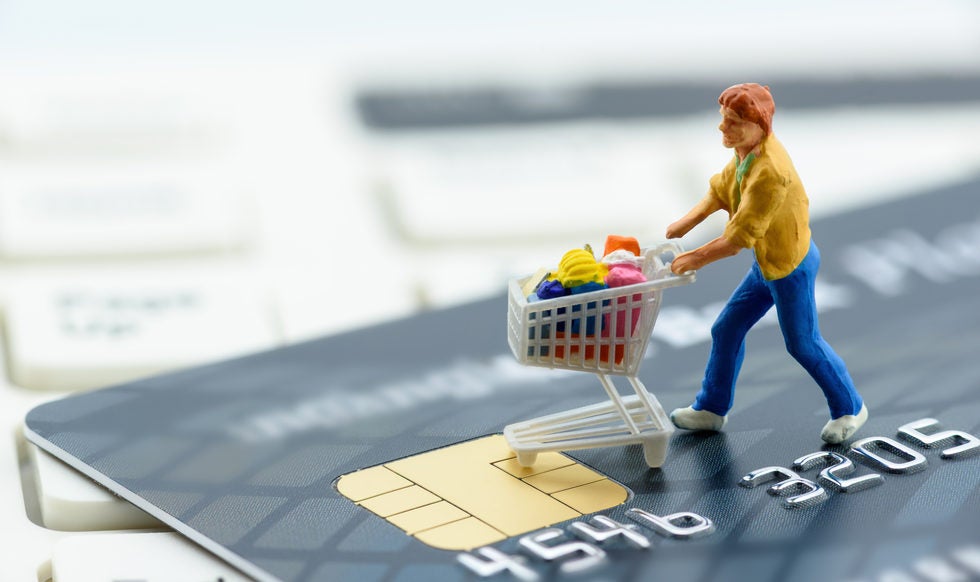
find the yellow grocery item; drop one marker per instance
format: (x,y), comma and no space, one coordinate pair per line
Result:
(578,267)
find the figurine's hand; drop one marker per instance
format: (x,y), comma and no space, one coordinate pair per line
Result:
(684,262)
(680,228)
(703,255)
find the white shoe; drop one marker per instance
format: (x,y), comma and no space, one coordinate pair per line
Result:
(840,429)
(691,419)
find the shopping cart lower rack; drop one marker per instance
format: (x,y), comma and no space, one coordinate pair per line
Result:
(603,332)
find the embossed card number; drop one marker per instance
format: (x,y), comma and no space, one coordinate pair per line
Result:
(586,551)
(575,556)
(798,492)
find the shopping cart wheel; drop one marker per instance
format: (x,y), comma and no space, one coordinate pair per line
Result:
(654,450)
(526,459)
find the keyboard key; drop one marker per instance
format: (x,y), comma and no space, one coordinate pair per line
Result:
(110,209)
(69,501)
(98,328)
(531,184)
(25,544)
(148,557)
(104,112)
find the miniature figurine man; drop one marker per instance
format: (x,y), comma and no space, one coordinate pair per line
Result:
(768,213)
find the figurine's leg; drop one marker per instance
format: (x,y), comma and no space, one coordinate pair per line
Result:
(794,297)
(750,301)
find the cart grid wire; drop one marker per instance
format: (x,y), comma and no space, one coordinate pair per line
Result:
(603,331)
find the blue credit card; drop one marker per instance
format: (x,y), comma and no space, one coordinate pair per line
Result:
(377,455)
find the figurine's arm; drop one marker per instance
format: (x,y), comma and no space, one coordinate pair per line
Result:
(764,193)
(717,249)
(708,206)
(714,250)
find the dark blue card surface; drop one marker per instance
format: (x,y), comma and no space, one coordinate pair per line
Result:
(242,456)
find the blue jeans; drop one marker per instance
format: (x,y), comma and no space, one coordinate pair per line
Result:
(793,296)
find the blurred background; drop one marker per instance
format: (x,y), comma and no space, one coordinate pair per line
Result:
(362,162)
(190,180)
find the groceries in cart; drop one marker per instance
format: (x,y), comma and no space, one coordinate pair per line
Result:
(593,315)
(579,272)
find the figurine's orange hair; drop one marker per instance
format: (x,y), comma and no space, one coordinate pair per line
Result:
(751,102)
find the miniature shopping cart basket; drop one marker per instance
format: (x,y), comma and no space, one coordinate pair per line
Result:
(604,332)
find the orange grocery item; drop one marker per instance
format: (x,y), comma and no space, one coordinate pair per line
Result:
(615,242)
(618,352)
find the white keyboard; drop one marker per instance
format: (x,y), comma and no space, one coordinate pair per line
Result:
(151,221)
(156,217)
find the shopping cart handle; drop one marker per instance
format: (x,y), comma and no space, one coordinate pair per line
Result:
(668,247)
(691,273)
(662,252)
(683,278)
(673,249)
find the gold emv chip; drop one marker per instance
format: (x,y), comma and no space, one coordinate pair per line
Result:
(475,493)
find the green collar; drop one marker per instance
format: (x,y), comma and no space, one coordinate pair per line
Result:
(742,167)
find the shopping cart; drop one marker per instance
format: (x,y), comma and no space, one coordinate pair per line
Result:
(604,332)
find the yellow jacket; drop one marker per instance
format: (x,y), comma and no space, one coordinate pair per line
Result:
(772,214)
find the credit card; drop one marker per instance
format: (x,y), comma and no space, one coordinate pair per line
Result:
(378,454)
